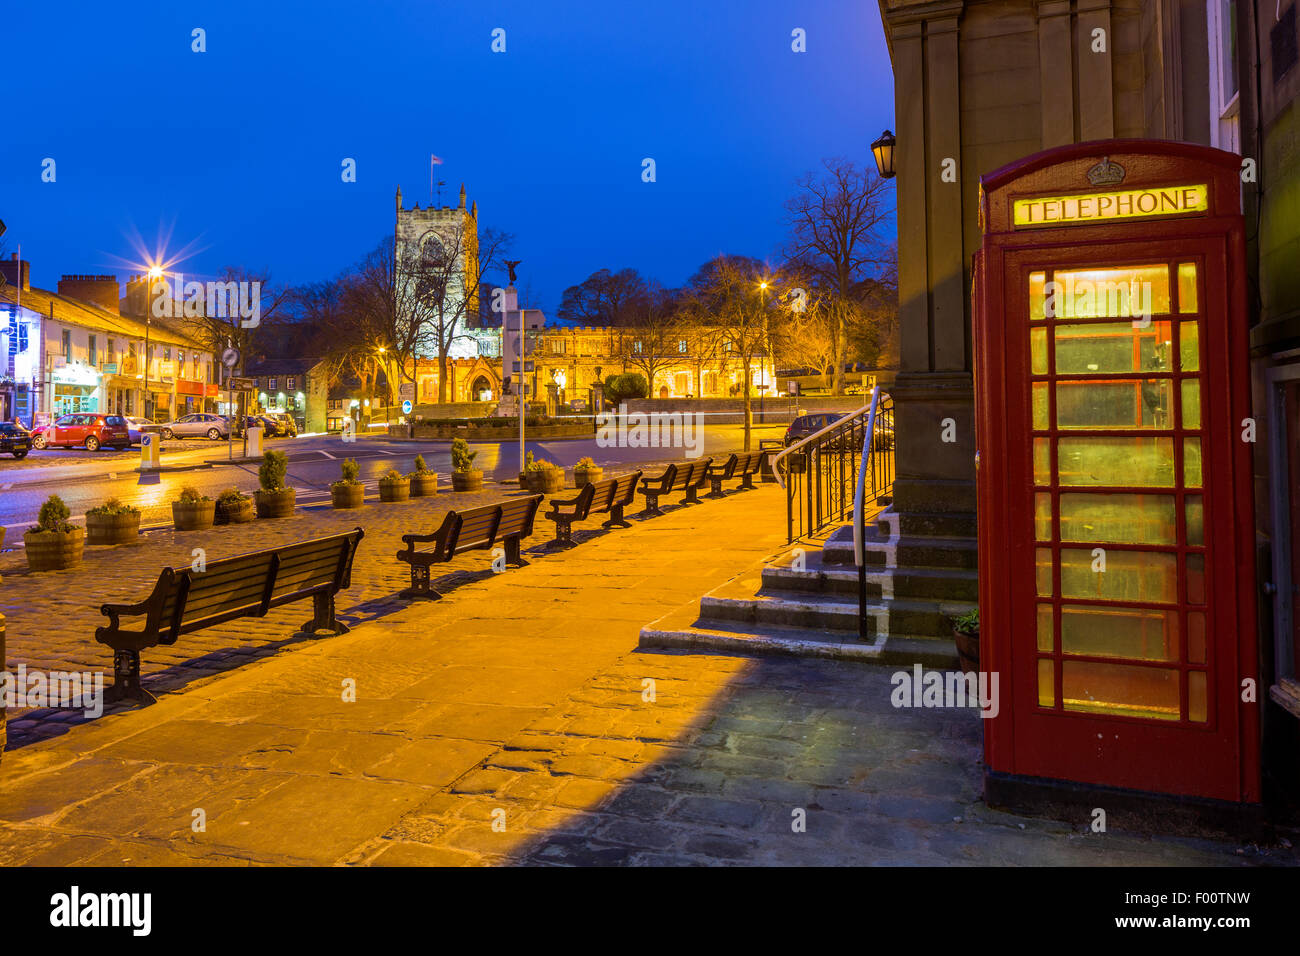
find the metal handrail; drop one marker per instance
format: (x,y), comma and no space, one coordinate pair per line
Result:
(780,476)
(859,494)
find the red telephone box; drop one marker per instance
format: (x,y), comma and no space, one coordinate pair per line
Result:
(1116,527)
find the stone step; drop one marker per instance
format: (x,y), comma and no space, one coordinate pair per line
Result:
(910,552)
(937,525)
(685,629)
(959,584)
(745,600)
(925,618)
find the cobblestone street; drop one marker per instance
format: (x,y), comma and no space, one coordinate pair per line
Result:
(513,721)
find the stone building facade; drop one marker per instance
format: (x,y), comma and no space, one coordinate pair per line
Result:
(420,232)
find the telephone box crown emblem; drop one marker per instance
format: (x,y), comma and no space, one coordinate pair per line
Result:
(1106,173)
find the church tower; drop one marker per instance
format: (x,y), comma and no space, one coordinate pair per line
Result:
(436,231)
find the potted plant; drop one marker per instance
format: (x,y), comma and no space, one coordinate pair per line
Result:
(193,511)
(112,523)
(348,492)
(394,486)
(55,544)
(464,477)
(424,483)
(586,472)
(966,632)
(273,499)
(543,477)
(234,507)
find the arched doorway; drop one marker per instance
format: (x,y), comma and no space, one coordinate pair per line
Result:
(480,390)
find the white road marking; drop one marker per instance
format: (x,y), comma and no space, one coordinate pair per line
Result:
(327,454)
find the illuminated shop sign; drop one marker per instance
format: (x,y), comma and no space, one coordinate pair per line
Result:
(1099,207)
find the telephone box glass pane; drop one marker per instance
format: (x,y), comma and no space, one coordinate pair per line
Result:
(1043,516)
(1196,704)
(1112,347)
(1042,461)
(1127,292)
(1129,403)
(1191,403)
(1043,571)
(1046,640)
(1141,634)
(1121,519)
(1187,287)
(1120,689)
(1195,579)
(1040,407)
(1046,684)
(1189,347)
(1196,637)
(1144,462)
(1037,281)
(1146,576)
(1195,521)
(1191,462)
(1038,350)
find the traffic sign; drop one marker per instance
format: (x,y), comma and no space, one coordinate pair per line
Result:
(241,384)
(230,357)
(406,407)
(406,391)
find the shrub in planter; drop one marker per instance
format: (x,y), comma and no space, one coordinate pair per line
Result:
(586,472)
(966,632)
(464,477)
(274,500)
(234,507)
(55,543)
(112,523)
(193,511)
(348,492)
(394,486)
(424,483)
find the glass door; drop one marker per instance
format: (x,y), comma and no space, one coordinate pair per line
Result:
(1119,555)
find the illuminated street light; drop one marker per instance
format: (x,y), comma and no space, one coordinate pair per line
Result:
(883,151)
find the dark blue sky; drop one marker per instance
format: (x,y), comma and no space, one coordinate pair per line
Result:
(236,152)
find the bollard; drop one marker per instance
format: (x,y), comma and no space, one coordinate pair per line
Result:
(253,442)
(149,452)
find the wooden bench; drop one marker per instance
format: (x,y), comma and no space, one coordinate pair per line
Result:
(687,476)
(476,529)
(248,585)
(610,495)
(742,465)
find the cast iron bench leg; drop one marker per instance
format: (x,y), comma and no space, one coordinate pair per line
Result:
(692,498)
(747,481)
(126,679)
(652,503)
(563,532)
(323,618)
(616,519)
(419,584)
(513,555)
(715,487)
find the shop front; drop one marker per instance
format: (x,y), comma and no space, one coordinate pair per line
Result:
(74,388)
(1116,559)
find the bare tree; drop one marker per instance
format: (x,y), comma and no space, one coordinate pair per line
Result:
(838,235)
(215,331)
(651,343)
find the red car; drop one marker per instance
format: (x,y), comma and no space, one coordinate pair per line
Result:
(88,430)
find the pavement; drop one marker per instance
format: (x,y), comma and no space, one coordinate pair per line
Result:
(513,721)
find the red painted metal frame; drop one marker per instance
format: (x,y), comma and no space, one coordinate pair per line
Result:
(1220,758)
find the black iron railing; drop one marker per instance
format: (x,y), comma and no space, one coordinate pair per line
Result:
(821,473)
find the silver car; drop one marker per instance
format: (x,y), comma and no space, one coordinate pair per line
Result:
(198,425)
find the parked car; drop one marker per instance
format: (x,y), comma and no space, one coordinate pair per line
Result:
(89,430)
(806,425)
(197,425)
(286,427)
(14,439)
(136,426)
(270,428)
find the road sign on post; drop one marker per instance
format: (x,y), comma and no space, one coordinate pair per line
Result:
(406,407)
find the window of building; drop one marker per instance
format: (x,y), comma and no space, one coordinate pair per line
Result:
(1221,23)
(67,345)
(167,353)
(110,349)
(636,347)
(681,346)
(291,383)
(270,384)
(94,351)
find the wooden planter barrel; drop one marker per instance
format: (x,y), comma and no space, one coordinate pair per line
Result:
(399,490)
(471,480)
(424,485)
(275,504)
(238,512)
(545,481)
(587,476)
(194,515)
(112,529)
(968,650)
(347,495)
(54,550)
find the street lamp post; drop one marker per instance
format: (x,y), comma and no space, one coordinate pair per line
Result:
(155,272)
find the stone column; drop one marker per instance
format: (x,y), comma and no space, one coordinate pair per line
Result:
(933,394)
